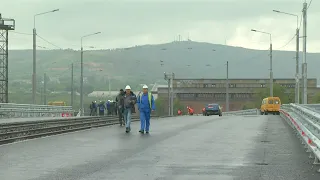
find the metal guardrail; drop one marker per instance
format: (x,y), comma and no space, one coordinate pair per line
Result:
(242,112)
(306,124)
(313,107)
(9,110)
(12,132)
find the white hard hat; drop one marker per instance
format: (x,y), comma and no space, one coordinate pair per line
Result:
(128,87)
(145,87)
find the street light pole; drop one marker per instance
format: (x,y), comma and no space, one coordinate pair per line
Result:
(227,88)
(34,74)
(109,86)
(172,94)
(297,87)
(167,78)
(81,74)
(44,89)
(72,86)
(81,82)
(304,56)
(271,72)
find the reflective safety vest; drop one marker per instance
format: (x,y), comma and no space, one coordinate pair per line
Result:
(149,98)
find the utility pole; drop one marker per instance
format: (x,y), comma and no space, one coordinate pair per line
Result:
(304,56)
(297,96)
(72,87)
(227,88)
(172,94)
(41,94)
(34,76)
(167,78)
(297,86)
(44,89)
(109,86)
(81,84)
(271,72)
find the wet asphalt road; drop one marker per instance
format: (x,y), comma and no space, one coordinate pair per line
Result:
(182,148)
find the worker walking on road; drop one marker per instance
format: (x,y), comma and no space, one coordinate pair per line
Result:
(146,105)
(120,108)
(102,107)
(129,101)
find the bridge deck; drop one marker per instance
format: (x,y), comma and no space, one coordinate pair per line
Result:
(177,148)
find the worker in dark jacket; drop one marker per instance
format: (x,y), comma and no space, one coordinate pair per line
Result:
(120,108)
(129,100)
(111,107)
(93,108)
(115,108)
(108,107)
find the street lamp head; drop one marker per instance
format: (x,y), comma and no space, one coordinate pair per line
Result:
(276,11)
(253,30)
(55,10)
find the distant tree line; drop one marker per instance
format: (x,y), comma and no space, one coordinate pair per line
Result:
(278,91)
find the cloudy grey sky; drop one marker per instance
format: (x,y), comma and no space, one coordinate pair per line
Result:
(126,23)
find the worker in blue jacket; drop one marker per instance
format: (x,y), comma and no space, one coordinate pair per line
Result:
(146,105)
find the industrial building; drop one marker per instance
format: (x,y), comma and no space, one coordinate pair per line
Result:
(198,92)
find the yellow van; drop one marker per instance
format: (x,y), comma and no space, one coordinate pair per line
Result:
(57,103)
(270,105)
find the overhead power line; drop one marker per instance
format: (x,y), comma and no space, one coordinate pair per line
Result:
(49,42)
(300,21)
(15,32)
(309,4)
(287,42)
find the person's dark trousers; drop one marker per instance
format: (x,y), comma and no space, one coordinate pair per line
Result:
(101,113)
(120,115)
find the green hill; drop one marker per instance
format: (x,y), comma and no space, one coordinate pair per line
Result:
(142,64)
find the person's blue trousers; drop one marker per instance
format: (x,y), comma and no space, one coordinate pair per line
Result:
(127,117)
(145,120)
